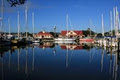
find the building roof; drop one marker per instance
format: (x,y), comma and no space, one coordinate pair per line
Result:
(44,33)
(77,32)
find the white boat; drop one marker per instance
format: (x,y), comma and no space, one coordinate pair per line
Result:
(9,36)
(36,41)
(64,39)
(107,43)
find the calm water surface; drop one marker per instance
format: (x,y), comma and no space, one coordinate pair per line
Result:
(59,62)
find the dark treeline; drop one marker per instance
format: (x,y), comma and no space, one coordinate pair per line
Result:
(89,32)
(107,33)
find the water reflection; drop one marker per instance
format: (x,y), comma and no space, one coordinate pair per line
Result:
(50,60)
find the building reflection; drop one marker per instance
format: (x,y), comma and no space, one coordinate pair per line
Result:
(76,46)
(45,45)
(113,53)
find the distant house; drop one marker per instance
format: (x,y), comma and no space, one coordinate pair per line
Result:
(42,35)
(72,34)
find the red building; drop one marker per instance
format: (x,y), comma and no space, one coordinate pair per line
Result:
(43,34)
(72,34)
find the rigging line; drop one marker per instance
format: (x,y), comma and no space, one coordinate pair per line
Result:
(21,29)
(70,23)
(92,25)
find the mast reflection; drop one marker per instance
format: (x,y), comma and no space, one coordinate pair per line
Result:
(18,58)
(26,66)
(33,58)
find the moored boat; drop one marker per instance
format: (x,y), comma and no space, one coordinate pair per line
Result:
(36,41)
(64,39)
(87,40)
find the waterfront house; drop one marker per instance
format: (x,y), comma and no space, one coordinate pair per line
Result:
(72,34)
(43,35)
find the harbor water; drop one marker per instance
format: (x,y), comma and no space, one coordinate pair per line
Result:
(51,61)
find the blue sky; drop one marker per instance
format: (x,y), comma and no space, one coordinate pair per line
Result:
(83,14)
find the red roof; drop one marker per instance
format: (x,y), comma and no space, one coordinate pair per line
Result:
(44,33)
(77,32)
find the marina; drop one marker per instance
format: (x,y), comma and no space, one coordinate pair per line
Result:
(42,40)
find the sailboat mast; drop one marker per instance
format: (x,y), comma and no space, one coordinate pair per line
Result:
(9,25)
(114,19)
(2,11)
(26,21)
(33,23)
(117,20)
(18,25)
(111,23)
(102,26)
(67,24)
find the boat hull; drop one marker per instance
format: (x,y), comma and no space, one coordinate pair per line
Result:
(87,40)
(64,39)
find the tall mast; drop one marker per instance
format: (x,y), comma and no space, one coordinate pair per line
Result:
(18,25)
(117,20)
(114,19)
(2,8)
(102,26)
(67,24)
(111,23)
(26,21)
(33,23)
(9,26)
(91,25)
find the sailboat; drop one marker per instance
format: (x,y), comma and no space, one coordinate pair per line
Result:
(66,39)
(34,40)
(9,36)
(16,40)
(110,41)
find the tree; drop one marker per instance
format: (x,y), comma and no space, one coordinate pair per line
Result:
(88,32)
(99,34)
(16,2)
